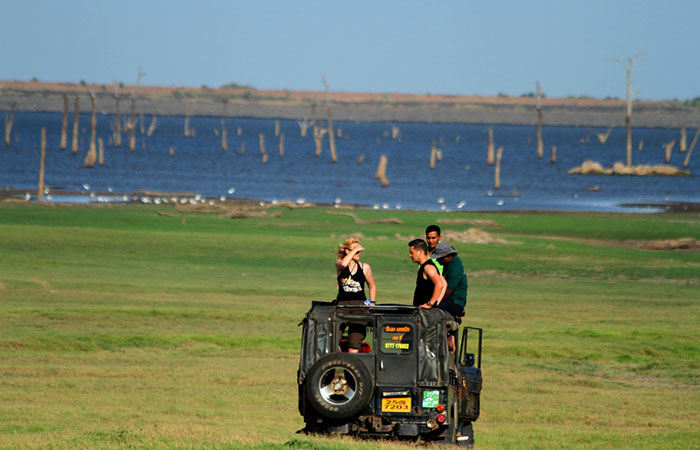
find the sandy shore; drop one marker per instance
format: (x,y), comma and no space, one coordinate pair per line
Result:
(394,107)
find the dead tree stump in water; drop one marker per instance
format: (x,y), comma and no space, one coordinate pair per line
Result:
(692,146)
(554,154)
(40,192)
(152,126)
(277,127)
(669,148)
(187,132)
(117,122)
(497,171)
(683,134)
(101,150)
(76,119)
(64,123)
(641,145)
(331,136)
(540,145)
(628,118)
(93,125)
(9,121)
(304,126)
(489,155)
(281,144)
(224,141)
(381,171)
(432,155)
(132,125)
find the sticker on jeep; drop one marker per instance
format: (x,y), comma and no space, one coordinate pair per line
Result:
(396,339)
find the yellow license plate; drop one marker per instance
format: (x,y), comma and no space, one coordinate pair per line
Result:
(396,404)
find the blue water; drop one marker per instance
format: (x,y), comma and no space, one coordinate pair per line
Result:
(200,166)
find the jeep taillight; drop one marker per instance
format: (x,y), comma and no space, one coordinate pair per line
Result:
(440,418)
(440,408)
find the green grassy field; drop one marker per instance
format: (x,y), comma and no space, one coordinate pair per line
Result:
(123,328)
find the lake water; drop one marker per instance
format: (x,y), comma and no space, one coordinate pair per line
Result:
(462,177)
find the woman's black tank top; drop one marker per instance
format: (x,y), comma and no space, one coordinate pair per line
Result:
(351,286)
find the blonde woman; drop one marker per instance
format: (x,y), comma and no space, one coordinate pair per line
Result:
(352,277)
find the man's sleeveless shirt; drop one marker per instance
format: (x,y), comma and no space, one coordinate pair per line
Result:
(424,287)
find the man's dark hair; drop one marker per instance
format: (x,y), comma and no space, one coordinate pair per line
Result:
(431,228)
(419,244)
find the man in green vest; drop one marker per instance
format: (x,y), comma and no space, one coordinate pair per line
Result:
(432,238)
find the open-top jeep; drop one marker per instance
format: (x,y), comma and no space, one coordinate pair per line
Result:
(404,382)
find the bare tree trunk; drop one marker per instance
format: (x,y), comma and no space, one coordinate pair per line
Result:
(93,124)
(239,131)
(101,148)
(489,156)
(394,132)
(381,171)
(331,136)
(318,138)
(641,145)
(432,156)
(40,193)
(263,152)
(142,126)
(172,151)
(187,132)
(540,145)
(132,125)
(281,144)
(277,127)
(628,120)
(152,126)
(9,121)
(118,124)
(692,146)
(554,154)
(669,148)
(497,171)
(224,140)
(360,159)
(304,126)
(76,130)
(64,123)
(683,135)
(90,157)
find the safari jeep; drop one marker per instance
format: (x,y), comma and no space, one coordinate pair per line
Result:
(404,383)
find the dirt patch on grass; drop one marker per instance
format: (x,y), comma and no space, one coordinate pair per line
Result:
(357,220)
(475,222)
(474,236)
(238,211)
(666,244)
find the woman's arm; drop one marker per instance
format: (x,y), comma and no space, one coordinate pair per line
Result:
(340,264)
(370,282)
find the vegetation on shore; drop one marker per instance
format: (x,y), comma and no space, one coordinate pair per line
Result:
(139,326)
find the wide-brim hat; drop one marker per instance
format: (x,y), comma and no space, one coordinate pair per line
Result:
(443,249)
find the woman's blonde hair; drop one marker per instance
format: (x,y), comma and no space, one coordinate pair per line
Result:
(346,246)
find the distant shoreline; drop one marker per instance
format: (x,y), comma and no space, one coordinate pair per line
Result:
(362,107)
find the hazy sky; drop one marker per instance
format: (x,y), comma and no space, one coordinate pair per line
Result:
(451,47)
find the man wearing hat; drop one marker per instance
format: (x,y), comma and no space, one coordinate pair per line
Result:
(455,298)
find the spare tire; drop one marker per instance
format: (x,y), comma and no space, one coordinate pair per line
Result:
(338,386)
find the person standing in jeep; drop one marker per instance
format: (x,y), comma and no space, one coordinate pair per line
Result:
(430,285)
(352,275)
